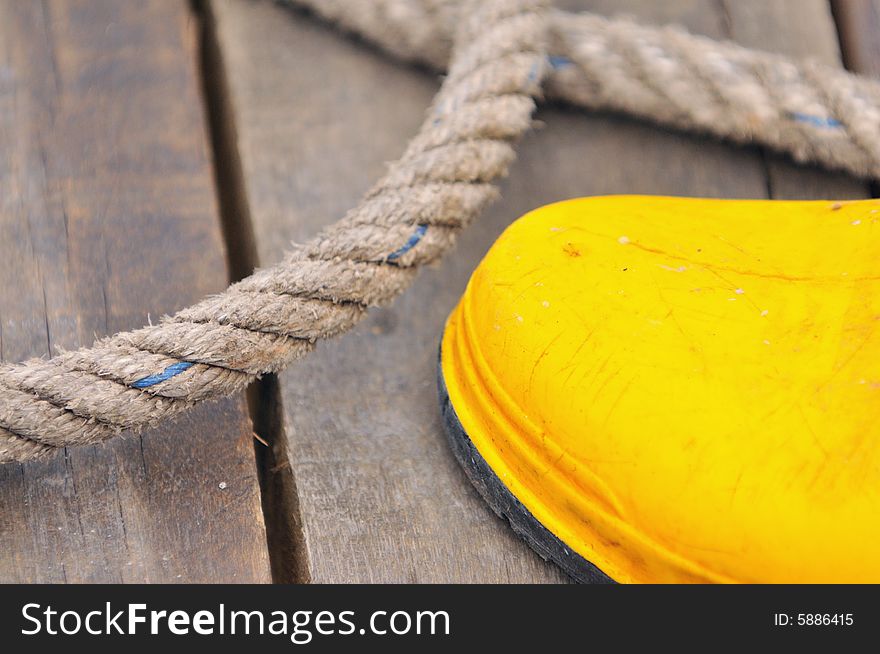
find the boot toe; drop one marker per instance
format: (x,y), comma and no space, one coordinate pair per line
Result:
(683,390)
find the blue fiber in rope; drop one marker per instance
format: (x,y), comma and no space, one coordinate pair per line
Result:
(533,72)
(816,121)
(168,373)
(559,62)
(410,244)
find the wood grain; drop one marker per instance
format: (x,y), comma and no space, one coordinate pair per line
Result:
(379,497)
(108,219)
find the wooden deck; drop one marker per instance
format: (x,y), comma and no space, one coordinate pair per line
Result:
(151,151)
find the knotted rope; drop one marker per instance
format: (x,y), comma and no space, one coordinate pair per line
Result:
(411,216)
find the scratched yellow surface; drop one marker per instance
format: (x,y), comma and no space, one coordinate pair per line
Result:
(683,389)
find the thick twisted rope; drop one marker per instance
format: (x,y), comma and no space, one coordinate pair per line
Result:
(135,379)
(812,112)
(259,325)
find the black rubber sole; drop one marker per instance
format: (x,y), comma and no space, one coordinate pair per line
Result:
(505,504)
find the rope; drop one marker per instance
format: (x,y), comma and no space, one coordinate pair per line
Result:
(812,112)
(133,380)
(410,218)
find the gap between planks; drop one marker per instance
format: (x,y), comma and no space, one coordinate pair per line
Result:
(858,31)
(277,485)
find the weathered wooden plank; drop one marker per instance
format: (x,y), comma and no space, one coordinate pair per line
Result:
(379,496)
(858,22)
(108,218)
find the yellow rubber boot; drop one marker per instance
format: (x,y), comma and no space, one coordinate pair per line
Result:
(678,390)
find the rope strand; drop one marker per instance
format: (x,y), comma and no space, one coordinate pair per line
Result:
(812,112)
(411,217)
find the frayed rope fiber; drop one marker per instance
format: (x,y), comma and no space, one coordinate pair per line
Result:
(503,53)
